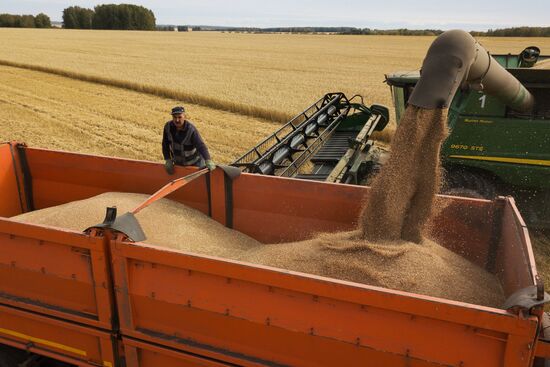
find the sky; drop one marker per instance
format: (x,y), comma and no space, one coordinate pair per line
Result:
(382,14)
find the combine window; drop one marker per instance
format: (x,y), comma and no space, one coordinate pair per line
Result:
(537,83)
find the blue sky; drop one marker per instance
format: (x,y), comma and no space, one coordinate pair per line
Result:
(385,14)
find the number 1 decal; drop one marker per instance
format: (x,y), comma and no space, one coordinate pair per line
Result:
(483,98)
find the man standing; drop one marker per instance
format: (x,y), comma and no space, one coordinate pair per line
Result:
(182,144)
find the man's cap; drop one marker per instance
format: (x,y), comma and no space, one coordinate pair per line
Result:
(178,110)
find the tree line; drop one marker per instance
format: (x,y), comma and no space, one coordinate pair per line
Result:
(25,21)
(504,32)
(109,16)
(395,32)
(516,32)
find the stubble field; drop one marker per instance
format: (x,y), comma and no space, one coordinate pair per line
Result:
(261,78)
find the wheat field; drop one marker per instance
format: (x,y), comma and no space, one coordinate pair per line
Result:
(258,77)
(54,112)
(262,75)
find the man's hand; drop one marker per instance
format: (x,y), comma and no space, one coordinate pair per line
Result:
(210,165)
(169,166)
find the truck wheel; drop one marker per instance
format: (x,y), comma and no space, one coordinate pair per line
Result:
(11,357)
(461,182)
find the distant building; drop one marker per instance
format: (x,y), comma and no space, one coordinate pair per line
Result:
(175,29)
(184,28)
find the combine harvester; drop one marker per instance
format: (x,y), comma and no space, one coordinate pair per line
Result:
(104,297)
(495,147)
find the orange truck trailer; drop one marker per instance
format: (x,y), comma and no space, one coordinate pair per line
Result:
(97,298)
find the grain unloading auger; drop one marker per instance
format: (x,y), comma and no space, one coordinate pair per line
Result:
(333,135)
(456,59)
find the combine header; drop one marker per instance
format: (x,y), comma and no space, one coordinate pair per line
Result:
(329,141)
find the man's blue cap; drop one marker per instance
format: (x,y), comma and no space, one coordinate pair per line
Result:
(178,110)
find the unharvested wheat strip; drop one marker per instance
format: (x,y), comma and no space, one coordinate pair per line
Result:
(206,101)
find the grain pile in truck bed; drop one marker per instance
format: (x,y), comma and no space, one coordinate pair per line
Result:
(165,223)
(425,268)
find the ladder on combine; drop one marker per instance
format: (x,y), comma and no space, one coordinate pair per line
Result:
(286,150)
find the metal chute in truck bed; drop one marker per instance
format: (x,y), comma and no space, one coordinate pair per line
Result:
(99,299)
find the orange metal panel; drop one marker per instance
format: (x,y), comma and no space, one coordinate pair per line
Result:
(11,200)
(60,177)
(543,349)
(223,307)
(272,209)
(140,354)
(218,197)
(515,263)
(54,338)
(62,273)
(465,226)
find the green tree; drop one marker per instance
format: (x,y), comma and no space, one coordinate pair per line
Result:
(26,21)
(75,17)
(123,16)
(42,21)
(85,17)
(70,19)
(7,20)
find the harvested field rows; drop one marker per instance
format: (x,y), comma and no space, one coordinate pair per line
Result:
(280,73)
(60,113)
(268,75)
(246,73)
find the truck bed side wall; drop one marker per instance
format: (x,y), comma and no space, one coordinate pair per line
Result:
(64,341)
(11,201)
(59,178)
(514,253)
(252,314)
(61,273)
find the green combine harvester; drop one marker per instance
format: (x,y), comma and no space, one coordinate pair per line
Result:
(492,149)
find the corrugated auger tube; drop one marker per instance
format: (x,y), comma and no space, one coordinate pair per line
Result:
(454,58)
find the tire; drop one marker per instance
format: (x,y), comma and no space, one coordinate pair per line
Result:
(462,182)
(11,357)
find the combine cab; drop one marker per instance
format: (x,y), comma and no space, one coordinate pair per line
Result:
(329,141)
